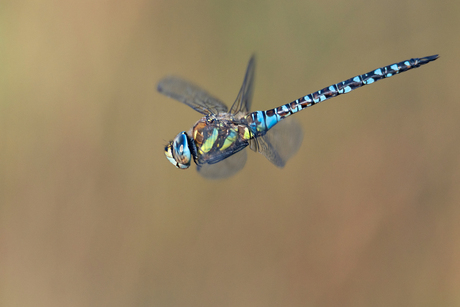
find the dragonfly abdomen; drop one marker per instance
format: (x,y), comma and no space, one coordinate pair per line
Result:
(262,121)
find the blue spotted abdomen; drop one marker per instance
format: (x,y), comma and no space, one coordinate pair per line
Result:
(262,121)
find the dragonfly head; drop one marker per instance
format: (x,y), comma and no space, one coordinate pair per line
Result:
(178,151)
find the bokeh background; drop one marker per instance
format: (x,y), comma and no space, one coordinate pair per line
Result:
(92,214)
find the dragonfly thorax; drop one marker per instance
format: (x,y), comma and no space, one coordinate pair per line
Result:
(218,136)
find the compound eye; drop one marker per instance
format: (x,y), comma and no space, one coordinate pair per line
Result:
(181,150)
(169,154)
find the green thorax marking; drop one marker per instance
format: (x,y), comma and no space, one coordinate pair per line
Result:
(209,142)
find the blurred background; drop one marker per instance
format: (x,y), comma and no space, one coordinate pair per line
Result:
(92,214)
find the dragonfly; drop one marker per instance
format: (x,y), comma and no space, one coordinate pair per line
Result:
(217,141)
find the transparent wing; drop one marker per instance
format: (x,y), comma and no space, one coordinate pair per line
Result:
(281,142)
(225,168)
(244,98)
(191,95)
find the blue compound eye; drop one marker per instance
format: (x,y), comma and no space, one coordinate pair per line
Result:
(180,149)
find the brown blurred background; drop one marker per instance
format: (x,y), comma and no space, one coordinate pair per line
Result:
(92,214)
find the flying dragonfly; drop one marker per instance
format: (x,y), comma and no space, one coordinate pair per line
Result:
(217,141)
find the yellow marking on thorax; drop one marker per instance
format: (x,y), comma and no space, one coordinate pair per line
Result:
(209,143)
(247,134)
(231,138)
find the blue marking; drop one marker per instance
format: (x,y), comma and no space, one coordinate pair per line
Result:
(308,99)
(272,120)
(253,128)
(332,88)
(394,67)
(407,63)
(378,72)
(260,120)
(369,81)
(389,75)
(347,89)
(322,98)
(357,79)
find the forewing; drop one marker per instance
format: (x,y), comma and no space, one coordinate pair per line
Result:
(225,168)
(191,95)
(281,142)
(244,98)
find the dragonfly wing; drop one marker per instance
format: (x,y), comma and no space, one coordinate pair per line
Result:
(244,98)
(191,95)
(225,168)
(281,142)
